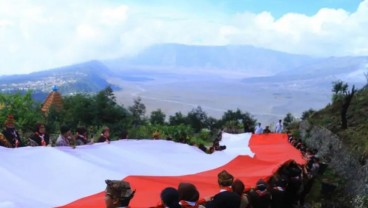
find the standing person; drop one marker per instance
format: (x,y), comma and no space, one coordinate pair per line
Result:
(188,196)
(39,137)
(105,135)
(170,198)
(118,194)
(260,197)
(278,192)
(259,129)
(225,198)
(10,133)
(64,137)
(279,127)
(238,188)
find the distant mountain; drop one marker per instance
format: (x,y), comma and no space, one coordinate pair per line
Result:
(227,58)
(88,77)
(349,69)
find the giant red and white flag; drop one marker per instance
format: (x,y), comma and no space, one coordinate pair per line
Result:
(66,177)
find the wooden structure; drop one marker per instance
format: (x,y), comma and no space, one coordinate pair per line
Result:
(53,99)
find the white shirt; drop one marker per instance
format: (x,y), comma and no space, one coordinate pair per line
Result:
(278,127)
(259,130)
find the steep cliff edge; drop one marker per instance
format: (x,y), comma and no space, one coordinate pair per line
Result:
(347,163)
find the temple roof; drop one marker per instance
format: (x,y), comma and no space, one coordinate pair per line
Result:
(53,99)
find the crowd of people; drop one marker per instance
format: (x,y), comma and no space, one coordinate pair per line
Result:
(287,188)
(10,137)
(278,128)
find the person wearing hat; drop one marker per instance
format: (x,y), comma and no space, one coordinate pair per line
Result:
(188,196)
(260,197)
(170,198)
(225,198)
(64,137)
(118,194)
(39,137)
(10,133)
(105,135)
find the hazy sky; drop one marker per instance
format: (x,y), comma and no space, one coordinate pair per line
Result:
(41,34)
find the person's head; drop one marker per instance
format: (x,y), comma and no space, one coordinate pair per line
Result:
(280,121)
(267,127)
(117,193)
(82,131)
(224,179)
(9,122)
(261,185)
(40,128)
(106,132)
(238,187)
(170,197)
(65,131)
(259,124)
(188,192)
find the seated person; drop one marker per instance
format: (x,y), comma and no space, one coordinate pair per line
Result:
(105,135)
(118,193)
(39,137)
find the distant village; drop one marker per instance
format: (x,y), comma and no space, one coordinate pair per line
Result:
(44,84)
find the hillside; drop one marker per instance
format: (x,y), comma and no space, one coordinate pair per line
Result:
(243,58)
(344,151)
(355,136)
(88,77)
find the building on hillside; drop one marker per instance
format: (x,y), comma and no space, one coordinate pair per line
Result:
(53,99)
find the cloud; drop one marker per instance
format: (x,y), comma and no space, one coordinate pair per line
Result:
(36,35)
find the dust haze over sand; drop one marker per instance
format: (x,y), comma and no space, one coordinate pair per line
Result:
(216,94)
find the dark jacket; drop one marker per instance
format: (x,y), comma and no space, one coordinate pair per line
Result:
(12,136)
(278,197)
(81,140)
(224,199)
(102,139)
(260,199)
(37,139)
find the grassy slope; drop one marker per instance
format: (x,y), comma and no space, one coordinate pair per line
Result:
(355,136)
